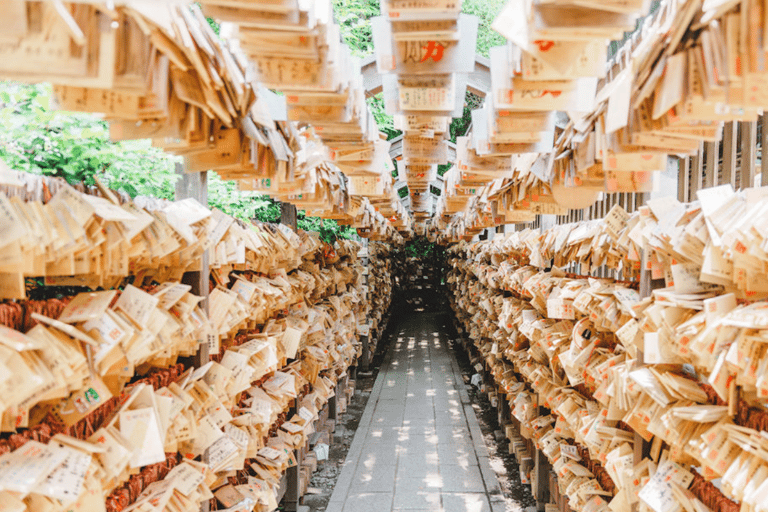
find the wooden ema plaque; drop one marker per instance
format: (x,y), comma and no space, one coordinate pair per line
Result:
(425,57)
(72,45)
(425,95)
(421,151)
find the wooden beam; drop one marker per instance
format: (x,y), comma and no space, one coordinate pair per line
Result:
(763,156)
(682,179)
(697,171)
(195,186)
(729,152)
(712,151)
(748,154)
(288,215)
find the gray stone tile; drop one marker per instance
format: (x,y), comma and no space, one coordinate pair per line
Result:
(489,476)
(417,401)
(418,442)
(368,502)
(415,456)
(379,448)
(335,506)
(421,427)
(448,403)
(457,478)
(378,454)
(418,439)
(419,423)
(407,498)
(450,434)
(384,419)
(464,502)
(417,467)
(420,413)
(426,480)
(461,455)
(385,434)
(450,419)
(342,484)
(378,478)
(394,394)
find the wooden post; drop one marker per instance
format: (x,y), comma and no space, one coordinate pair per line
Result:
(288,215)
(697,168)
(713,164)
(763,156)
(729,152)
(748,154)
(540,478)
(195,186)
(292,495)
(682,179)
(641,198)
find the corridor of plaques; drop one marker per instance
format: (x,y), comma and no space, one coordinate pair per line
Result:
(419,446)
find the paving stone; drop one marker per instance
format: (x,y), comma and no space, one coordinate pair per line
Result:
(408,498)
(489,476)
(427,480)
(464,502)
(335,506)
(417,439)
(417,466)
(417,456)
(458,478)
(418,443)
(378,478)
(374,451)
(368,502)
(461,455)
(419,423)
(450,434)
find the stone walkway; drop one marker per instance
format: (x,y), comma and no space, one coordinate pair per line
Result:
(418,446)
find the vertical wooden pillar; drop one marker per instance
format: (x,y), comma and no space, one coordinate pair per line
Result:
(292,496)
(748,154)
(697,168)
(641,198)
(763,155)
(288,215)
(195,186)
(682,179)
(540,478)
(712,152)
(729,153)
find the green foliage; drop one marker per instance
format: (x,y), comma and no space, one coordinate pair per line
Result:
(384,121)
(460,125)
(353,18)
(224,195)
(214,25)
(486,11)
(329,229)
(267,210)
(76,147)
(422,248)
(487,38)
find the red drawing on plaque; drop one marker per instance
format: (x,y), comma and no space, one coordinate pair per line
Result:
(544,45)
(434,51)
